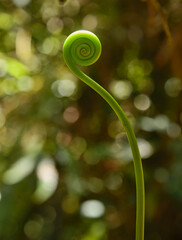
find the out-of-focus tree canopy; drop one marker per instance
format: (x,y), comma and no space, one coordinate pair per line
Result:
(66,170)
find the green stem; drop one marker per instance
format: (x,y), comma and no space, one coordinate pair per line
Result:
(140,191)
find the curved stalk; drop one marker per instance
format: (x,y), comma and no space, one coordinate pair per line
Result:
(76,39)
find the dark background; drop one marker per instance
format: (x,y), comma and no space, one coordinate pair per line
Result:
(66,171)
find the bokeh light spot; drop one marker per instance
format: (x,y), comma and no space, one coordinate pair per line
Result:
(50,46)
(19,170)
(89,22)
(95,184)
(9,86)
(48,10)
(66,88)
(113,182)
(161,175)
(55,25)
(142,102)
(25,83)
(47,180)
(71,114)
(174,130)
(173,87)
(71,8)
(33,229)
(147,124)
(78,146)
(21,3)
(23,45)
(3,67)
(161,122)
(70,204)
(121,89)
(5,21)
(146,149)
(92,209)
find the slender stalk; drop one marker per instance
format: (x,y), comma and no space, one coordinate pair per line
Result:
(81,36)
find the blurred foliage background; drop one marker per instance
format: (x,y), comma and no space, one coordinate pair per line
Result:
(66,171)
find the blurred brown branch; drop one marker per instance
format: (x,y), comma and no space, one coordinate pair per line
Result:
(155,7)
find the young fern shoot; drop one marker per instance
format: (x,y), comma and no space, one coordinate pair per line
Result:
(83,48)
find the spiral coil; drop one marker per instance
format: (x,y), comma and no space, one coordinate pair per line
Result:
(83,47)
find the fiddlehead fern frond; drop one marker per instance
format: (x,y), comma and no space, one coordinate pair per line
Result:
(83,48)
